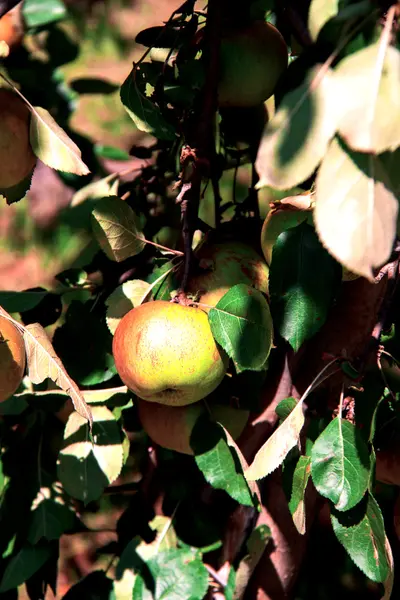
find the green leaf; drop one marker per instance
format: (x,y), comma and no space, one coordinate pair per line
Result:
(296,505)
(370,81)
(218,461)
(52,145)
(340,464)
(23,565)
(38,13)
(50,519)
(302,280)
(363,536)
(108,186)
(241,323)
(21,301)
(295,140)
(125,297)
(285,407)
(115,228)
(355,218)
(145,114)
(85,469)
(178,574)
(278,445)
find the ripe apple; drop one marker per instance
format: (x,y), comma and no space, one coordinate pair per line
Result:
(11,27)
(165,353)
(252,60)
(223,265)
(279,220)
(171,426)
(16,156)
(12,358)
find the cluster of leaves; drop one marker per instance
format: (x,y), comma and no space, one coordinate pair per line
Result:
(64,472)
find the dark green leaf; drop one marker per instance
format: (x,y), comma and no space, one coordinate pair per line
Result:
(364,538)
(93,85)
(285,407)
(111,152)
(95,586)
(23,565)
(303,278)
(18,191)
(241,323)
(20,301)
(50,520)
(144,112)
(178,574)
(219,462)
(38,13)
(340,464)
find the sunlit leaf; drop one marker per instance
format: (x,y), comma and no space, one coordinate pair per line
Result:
(295,140)
(86,468)
(43,363)
(125,297)
(255,547)
(319,13)
(116,230)
(370,81)
(241,323)
(363,536)
(276,448)
(108,186)
(38,13)
(52,145)
(297,507)
(356,217)
(178,574)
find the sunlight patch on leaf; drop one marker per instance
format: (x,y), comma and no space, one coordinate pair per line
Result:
(356,217)
(125,297)
(108,186)
(271,455)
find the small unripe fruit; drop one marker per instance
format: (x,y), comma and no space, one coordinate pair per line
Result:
(12,358)
(251,63)
(171,427)
(165,353)
(16,156)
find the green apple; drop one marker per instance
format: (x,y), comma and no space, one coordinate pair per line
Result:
(252,61)
(171,426)
(165,352)
(221,266)
(12,358)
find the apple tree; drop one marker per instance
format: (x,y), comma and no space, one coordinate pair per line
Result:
(215,374)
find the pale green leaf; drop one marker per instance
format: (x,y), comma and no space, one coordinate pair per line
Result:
(271,455)
(369,80)
(297,507)
(43,363)
(178,574)
(295,140)
(52,145)
(125,297)
(356,217)
(255,547)
(108,186)
(320,12)
(116,230)
(86,468)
